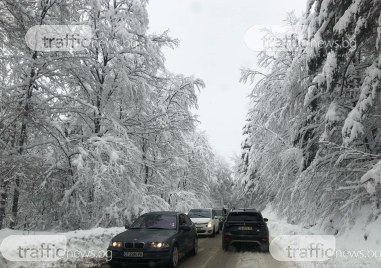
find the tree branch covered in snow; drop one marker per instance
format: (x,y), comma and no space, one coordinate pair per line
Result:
(97,137)
(319,164)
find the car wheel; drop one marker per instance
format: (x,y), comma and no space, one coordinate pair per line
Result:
(213,233)
(265,248)
(225,247)
(174,261)
(195,248)
(218,230)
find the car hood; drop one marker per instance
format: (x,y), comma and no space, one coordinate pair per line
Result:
(145,235)
(201,220)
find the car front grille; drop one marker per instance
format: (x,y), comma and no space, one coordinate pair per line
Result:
(134,245)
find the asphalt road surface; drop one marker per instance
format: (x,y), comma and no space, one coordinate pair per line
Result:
(211,255)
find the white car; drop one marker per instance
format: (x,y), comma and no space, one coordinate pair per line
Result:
(206,221)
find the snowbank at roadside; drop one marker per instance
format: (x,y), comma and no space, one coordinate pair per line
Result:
(358,247)
(81,245)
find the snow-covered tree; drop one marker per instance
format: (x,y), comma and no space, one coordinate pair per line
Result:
(98,136)
(313,130)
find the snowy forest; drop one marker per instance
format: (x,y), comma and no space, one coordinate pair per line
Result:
(97,137)
(312,142)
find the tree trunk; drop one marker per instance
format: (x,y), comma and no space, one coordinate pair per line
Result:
(145,167)
(23,139)
(3,200)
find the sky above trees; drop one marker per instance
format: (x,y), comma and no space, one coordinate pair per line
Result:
(212,47)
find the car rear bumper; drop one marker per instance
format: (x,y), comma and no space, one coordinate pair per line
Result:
(260,240)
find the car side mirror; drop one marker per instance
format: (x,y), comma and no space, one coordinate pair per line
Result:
(184,228)
(265,220)
(127,226)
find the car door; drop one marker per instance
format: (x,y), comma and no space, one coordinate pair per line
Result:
(183,237)
(192,234)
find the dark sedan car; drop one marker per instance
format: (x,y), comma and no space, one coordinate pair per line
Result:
(245,226)
(155,238)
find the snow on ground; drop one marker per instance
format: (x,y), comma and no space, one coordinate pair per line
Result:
(359,247)
(81,245)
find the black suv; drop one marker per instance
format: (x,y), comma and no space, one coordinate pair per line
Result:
(245,226)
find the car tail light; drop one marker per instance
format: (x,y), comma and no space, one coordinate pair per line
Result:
(264,238)
(226,237)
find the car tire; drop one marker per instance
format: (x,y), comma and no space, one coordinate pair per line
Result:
(225,247)
(174,260)
(195,248)
(265,248)
(213,233)
(218,230)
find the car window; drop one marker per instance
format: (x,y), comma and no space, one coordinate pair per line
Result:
(219,212)
(156,221)
(244,216)
(200,213)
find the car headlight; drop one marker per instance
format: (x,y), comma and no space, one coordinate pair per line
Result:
(116,244)
(210,224)
(159,245)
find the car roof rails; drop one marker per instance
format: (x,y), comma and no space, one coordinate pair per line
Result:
(246,209)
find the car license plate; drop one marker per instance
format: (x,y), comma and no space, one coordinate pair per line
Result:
(133,254)
(245,228)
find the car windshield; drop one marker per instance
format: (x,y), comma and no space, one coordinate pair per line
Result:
(219,212)
(156,221)
(244,216)
(200,213)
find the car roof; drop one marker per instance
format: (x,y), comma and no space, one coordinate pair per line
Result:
(245,210)
(163,213)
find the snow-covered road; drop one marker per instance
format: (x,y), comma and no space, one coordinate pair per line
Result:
(211,255)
